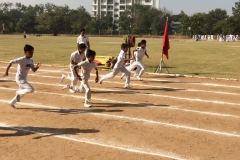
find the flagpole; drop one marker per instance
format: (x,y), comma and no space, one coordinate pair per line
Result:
(159,67)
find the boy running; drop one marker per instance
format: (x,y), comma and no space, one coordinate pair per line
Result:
(140,52)
(25,63)
(131,63)
(86,67)
(119,66)
(75,58)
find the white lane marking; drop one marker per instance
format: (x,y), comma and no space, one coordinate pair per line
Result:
(165,96)
(164,108)
(152,79)
(178,98)
(93,142)
(135,119)
(124,102)
(160,87)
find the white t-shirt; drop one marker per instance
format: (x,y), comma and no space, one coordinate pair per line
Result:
(83,39)
(24,65)
(76,57)
(120,60)
(86,68)
(140,53)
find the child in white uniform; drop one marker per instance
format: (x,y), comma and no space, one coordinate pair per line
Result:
(86,67)
(83,38)
(119,66)
(25,63)
(141,51)
(75,58)
(131,63)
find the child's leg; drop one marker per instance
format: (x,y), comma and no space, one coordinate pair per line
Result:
(143,67)
(81,87)
(127,73)
(24,88)
(132,66)
(110,75)
(69,77)
(128,68)
(137,71)
(87,94)
(74,77)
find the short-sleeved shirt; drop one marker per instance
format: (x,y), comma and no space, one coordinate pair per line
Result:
(120,60)
(140,53)
(83,39)
(24,65)
(76,57)
(86,68)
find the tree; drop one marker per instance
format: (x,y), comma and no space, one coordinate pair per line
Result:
(197,23)
(236,17)
(79,19)
(27,22)
(213,17)
(56,19)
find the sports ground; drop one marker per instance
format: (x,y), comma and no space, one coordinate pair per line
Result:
(161,117)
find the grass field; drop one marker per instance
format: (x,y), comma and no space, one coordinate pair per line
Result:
(208,59)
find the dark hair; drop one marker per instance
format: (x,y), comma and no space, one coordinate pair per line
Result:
(90,53)
(28,47)
(124,45)
(82,30)
(82,45)
(139,44)
(143,41)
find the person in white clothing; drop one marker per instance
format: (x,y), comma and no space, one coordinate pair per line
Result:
(83,38)
(86,67)
(119,66)
(131,63)
(75,58)
(140,53)
(25,63)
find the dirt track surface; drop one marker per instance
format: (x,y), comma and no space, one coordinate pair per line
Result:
(161,117)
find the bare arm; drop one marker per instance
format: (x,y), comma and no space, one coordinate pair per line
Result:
(96,80)
(88,44)
(146,54)
(75,70)
(6,72)
(36,68)
(74,63)
(133,56)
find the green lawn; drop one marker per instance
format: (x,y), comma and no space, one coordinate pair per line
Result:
(210,59)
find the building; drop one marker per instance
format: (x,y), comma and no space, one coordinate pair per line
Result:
(116,7)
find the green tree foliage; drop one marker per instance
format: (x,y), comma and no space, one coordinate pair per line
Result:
(212,18)
(55,19)
(27,22)
(236,17)
(140,19)
(137,19)
(79,19)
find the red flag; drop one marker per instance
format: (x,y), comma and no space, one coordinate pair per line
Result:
(165,44)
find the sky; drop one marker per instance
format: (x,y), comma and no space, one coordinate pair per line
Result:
(188,6)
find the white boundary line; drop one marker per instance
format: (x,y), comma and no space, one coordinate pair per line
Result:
(181,98)
(124,102)
(165,108)
(135,119)
(160,87)
(93,142)
(146,79)
(173,97)
(151,73)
